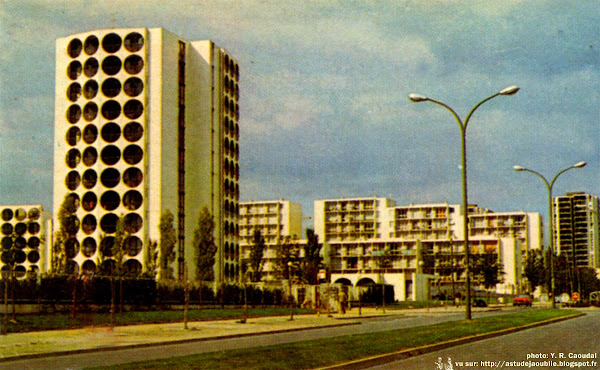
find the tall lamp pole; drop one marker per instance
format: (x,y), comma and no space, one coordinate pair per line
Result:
(416,98)
(549,186)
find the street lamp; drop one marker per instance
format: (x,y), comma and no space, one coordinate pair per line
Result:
(291,297)
(416,98)
(549,186)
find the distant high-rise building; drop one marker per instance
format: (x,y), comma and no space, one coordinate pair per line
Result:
(576,232)
(146,122)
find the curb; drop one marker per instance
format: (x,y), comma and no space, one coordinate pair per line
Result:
(411,352)
(172,342)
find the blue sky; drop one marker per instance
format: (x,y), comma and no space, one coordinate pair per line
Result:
(324,87)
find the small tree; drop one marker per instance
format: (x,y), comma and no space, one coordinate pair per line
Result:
(534,268)
(167,243)
(68,225)
(205,247)
(257,250)
(487,269)
(151,259)
(312,258)
(118,253)
(287,252)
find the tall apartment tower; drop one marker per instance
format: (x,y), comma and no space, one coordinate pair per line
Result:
(146,122)
(576,230)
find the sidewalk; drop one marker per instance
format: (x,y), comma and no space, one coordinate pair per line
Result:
(47,343)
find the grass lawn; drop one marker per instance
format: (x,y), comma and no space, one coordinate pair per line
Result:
(324,352)
(34,322)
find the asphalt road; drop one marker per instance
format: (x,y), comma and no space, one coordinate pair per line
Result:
(535,348)
(113,357)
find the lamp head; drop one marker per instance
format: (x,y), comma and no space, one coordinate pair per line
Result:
(416,98)
(511,90)
(518,168)
(579,164)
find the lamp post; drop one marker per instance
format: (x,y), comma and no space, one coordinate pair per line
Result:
(416,98)
(291,297)
(549,186)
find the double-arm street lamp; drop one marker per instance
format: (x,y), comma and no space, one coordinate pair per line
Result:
(549,186)
(416,98)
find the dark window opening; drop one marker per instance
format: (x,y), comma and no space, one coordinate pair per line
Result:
(90,133)
(111,42)
(133,131)
(91,45)
(90,68)
(74,92)
(132,177)
(89,179)
(110,178)
(134,42)
(111,109)
(89,201)
(90,89)
(110,200)
(111,87)
(111,132)
(111,65)
(134,64)
(74,48)
(90,156)
(133,154)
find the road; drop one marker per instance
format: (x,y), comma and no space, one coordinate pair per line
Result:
(555,342)
(113,357)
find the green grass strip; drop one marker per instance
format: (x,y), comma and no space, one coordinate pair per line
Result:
(330,351)
(28,323)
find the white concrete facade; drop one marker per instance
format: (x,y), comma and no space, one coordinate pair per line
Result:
(418,242)
(147,122)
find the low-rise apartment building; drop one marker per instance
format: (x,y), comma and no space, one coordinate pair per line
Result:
(371,240)
(26,239)
(278,221)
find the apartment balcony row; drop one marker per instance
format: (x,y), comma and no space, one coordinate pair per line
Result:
(423,226)
(253,211)
(351,207)
(247,220)
(419,216)
(349,220)
(421,235)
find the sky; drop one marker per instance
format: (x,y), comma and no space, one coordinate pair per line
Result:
(324,109)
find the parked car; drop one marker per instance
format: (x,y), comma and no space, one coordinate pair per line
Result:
(479,303)
(522,300)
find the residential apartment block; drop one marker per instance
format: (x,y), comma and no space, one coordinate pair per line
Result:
(146,122)
(576,233)
(26,239)
(278,221)
(372,239)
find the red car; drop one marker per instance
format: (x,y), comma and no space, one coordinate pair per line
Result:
(522,300)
